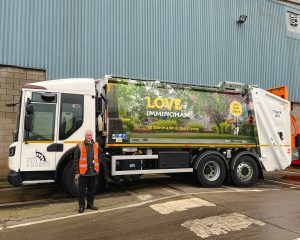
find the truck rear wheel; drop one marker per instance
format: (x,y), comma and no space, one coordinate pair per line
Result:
(245,171)
(211,171)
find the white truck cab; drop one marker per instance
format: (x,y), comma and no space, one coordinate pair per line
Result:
(60,111)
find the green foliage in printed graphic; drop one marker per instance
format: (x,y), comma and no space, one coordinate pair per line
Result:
(217,108)
(134,99)
(163,126)
(255,131)
(214,128)
(194,127)
(127,125)
(130,100)
(228,129)
(186,135)
(225,128)
(194,100)
(247,128)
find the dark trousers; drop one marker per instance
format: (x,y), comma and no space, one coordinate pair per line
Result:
(86,182)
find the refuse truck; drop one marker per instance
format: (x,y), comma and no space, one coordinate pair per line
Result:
(231,131)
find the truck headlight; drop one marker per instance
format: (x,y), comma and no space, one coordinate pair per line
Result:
(12,151)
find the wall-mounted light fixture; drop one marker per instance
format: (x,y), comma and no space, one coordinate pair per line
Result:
(242,19)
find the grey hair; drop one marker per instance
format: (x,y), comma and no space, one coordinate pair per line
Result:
(88,131)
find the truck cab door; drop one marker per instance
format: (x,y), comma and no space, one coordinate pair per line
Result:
(39,145)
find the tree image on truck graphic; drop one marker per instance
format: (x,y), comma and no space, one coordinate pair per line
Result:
(145,110)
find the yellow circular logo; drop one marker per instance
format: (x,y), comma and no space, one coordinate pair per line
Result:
(236,108)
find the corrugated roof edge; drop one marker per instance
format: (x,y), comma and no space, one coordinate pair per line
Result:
(288,3)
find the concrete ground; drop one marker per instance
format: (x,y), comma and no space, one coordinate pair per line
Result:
(163,208)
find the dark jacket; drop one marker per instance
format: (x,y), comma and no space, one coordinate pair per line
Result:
(90,157)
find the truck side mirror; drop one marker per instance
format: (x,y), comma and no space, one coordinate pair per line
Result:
(98,105)
(99,102)
(29,108)
(28,122)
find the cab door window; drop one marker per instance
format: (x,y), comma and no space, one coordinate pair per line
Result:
(71,117)
(43,120)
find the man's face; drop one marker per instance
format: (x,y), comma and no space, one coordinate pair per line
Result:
(88,136)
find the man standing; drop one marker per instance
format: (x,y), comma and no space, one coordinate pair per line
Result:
(87,165)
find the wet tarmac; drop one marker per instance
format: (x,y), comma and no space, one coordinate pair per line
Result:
(162,208)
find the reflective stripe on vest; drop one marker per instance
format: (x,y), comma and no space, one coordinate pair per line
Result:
(83,158)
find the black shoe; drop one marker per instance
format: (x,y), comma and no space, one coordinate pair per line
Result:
(92,207)
(81,210)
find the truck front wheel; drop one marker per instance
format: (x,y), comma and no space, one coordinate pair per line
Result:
(211,171)
(245,171)
(68,180)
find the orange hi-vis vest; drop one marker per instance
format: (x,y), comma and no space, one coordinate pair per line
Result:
(83,158)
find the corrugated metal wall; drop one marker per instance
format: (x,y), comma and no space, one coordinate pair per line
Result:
(190,41)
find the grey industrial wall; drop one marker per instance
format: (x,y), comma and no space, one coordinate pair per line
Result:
(11,80)
(190,41)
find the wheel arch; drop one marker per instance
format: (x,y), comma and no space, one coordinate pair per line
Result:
(63,161)
(68,156)
(206,153)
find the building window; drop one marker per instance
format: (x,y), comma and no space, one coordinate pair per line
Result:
(293,23)
(294,19)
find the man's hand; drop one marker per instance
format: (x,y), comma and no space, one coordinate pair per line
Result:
(76,178)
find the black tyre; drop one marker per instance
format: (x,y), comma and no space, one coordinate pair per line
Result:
(211,171)
(68,180)
(101,182)
(131,178)
(136,177)
(126,178)
(117,178)
(245,171)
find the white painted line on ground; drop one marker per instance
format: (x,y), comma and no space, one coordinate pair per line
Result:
(180,205)
(131,192)
(288,184)
(1,228)
(291,172)
(236,189)
(241,191)
(171,191)
(129,206)
(89,213)
(144,197)
(219,225)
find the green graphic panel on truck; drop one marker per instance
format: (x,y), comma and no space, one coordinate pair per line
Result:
(151,112)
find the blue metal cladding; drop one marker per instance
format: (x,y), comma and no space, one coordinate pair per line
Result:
(186,41)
